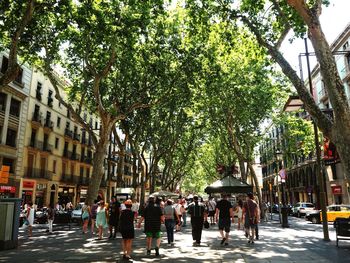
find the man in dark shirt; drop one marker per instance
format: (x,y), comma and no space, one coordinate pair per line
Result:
(224,213)
(114,213)
(250,213)
(198,215)
(153,216)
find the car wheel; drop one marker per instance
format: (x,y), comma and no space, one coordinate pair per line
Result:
(299,215)
(314,220)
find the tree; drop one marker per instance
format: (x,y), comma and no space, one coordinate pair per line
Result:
(270,21)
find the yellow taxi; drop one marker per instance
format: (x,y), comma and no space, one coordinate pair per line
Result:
(333,212)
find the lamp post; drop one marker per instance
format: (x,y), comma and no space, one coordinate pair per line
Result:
(294,103)
(281,174)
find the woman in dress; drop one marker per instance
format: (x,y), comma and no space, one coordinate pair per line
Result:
(239,213)
(30,218)
(101,218)
(127,229)
(85,216)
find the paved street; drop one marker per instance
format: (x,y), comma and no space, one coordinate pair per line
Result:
(300,243)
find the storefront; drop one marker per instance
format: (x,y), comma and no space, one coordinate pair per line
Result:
(337,192)
(40,195)
(28,191)
(81,195)
(66,194)
(7,191)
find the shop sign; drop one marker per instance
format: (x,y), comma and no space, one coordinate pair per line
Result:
(28,184)
(4,174)
(337,190)
(7,189)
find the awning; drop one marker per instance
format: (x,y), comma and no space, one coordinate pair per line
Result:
(229,184)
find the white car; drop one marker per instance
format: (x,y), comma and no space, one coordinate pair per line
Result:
(302,208)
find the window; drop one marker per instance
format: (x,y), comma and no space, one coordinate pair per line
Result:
(81,171)
(18,78)
(3,97)
(58,122)
(67,125)
(5,64)
(15,107)
(38,90)
(54,164)
(68,114)
(50,99)
(9,162)
(11,137)
(96,125)
(57,141)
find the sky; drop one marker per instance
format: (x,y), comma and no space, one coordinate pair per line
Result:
(334,19)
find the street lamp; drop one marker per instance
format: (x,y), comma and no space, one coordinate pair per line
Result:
(318,150)
(282,175)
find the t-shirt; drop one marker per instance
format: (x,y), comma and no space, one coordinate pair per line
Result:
(211,205)
(152,215)
(196,209)
(250,207)
(169,212)
(224,208)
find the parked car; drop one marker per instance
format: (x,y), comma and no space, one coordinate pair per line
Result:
(333,212)
(77,212)
(301,208)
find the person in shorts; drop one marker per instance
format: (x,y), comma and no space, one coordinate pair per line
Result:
(224,215)
(250,213)
(153,217)
(127,229)
(211,210)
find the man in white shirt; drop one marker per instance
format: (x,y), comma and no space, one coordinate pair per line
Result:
(211,210)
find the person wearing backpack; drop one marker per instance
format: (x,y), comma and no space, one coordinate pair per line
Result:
(198,215)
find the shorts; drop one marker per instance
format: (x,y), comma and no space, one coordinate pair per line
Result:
(211,213)
(225,224)
(249,223)
(156,234)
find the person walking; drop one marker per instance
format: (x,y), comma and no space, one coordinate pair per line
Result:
(179,210)
(30,212)
(170,219)
(85,216)
(184,212)
(93,214)
(50,217)
(127,229)
(198,214)
(250,213)
(153,217)
(238,212)
(224,215)
(101,218)
(114,209)
(211,210)
(135,208)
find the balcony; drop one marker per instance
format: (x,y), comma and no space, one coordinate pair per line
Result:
(40,145)
(76,137)
(68,133)
(67,154)
(75,157)
(84,180)
(37,173)
(48,124)
(70,178)
(38,95)
(88,160)
(37,119)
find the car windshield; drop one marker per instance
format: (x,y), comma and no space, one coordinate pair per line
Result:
(309,205)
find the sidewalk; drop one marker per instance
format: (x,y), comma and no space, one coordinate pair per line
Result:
(300,243)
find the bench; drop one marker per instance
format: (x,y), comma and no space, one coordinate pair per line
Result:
(342,228)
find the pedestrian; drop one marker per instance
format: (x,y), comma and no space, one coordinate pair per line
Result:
(257,221)
(265,208)
(135,208)
(153,217)
(101,218)
(30,217)
(85,216)
(93,216)
(238,212)
(250,213)
(184,213)
(179,210)
(198,215)
(211,210)
(224,215)
(114,209)
(50,217)
(127,229)
(170,219)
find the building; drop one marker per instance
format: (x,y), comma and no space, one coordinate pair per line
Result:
(13,111)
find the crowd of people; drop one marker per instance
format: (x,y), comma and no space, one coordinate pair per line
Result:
(121,217)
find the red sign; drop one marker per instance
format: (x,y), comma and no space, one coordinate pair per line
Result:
(337,190)
(7,189)
(28,184)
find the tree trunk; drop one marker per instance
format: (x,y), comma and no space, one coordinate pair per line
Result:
(257,187)
(98,169)
(120,166)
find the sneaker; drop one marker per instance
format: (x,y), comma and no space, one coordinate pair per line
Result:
(249,241)
(252,242)
(223,241)
(148,252)
(157,251)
